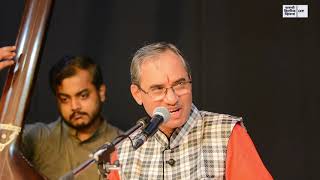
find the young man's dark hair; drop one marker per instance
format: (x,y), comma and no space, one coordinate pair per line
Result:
(68,66)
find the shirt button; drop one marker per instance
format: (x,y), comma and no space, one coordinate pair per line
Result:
(171,162)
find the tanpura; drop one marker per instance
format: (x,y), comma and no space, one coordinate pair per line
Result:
(17,90)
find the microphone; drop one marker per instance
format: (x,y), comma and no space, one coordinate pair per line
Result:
(160,114)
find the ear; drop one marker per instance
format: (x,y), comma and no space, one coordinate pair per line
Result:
(102,92)
(136,93)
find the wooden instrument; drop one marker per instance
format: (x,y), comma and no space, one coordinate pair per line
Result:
(17,90)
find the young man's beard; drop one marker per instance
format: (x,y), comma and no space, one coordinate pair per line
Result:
(92,119)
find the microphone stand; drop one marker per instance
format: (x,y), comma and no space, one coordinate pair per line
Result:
(102,155)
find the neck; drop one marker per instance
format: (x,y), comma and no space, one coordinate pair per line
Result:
(167,131)
(86,133)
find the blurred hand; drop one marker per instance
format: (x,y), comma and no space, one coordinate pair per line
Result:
(6,55)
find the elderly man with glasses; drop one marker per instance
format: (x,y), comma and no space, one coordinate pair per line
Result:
(191,144)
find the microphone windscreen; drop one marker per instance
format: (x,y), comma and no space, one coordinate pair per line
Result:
(162,111)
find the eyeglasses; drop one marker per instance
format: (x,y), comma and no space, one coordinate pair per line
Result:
(158,93)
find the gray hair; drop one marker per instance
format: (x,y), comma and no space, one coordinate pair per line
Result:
(153,50)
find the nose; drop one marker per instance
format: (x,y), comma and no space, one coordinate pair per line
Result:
(75,105)
(171,97)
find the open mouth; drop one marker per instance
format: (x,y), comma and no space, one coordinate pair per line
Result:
(174,110)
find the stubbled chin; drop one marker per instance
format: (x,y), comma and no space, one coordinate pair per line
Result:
(175,119)
(173,123)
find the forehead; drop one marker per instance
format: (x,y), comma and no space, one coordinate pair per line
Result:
(73,84)
(166,67)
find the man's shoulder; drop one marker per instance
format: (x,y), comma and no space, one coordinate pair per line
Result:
(39,128)
(113,129)
(107,131)
(216,121)
(218,117)
(217,126)
(35,137)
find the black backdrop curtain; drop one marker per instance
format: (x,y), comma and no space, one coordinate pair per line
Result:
(246,61)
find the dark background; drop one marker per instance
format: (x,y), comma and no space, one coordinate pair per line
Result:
(246,61)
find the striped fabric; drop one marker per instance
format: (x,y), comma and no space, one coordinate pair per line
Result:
(195,151)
